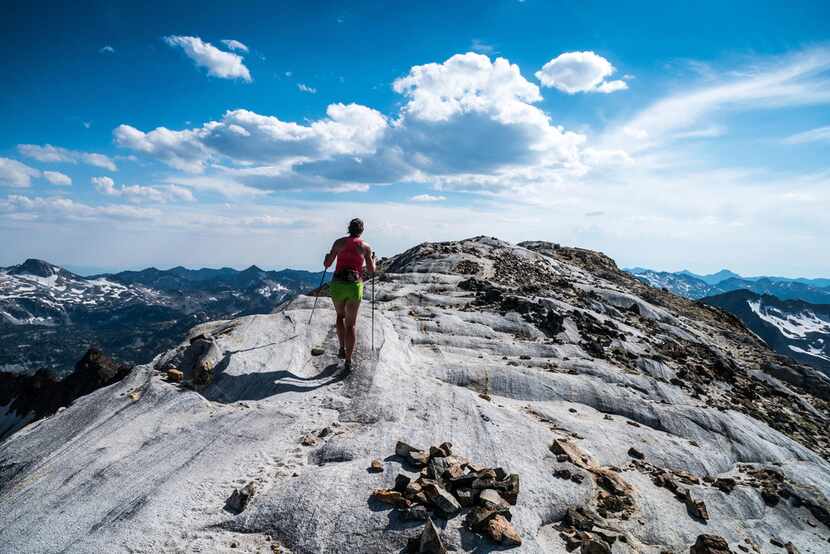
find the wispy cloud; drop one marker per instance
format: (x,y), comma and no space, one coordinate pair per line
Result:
(478,45)
(232,44)
(427,198)
(225,65)
(56,154)
(819,134)
(139,193)
(798,79)
(305,88)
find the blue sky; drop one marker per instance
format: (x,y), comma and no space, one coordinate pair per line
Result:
(692,136)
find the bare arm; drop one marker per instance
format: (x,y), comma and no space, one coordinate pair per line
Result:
(369,256)
(330,257)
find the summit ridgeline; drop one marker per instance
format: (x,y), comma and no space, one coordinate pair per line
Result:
(555,404)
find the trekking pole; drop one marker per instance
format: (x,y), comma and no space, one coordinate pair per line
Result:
(317,296)
(374,277)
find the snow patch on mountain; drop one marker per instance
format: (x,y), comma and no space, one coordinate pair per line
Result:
(793,326)
(817,352)
(503,350)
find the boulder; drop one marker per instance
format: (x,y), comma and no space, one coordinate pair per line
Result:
(392,498)
(502,532)
(696,508)
(310,440)
(440,498)
(376,466)
(402,483)
(239,499)
(577,519)
(595,545)
(430,541)
(725,484)
(403,449)
(710,544)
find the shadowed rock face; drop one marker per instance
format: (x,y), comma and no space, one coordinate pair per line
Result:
(547,362)
(31,397)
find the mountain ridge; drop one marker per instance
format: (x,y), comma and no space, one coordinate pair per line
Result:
(642,415)
(49,316)
(794,328)
(691,286)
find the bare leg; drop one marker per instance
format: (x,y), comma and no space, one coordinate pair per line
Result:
(340,308)
(352,307)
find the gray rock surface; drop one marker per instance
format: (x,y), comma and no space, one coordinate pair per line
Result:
(499,349)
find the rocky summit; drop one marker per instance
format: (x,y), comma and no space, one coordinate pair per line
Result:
(636,421)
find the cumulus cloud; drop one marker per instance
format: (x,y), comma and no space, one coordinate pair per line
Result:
(305,88)
(138,193)
(56,154)
(467,115)
(245,136)
(427,198)
(16,174)
(232,44)
(57,178)
(574,72)
(218,63)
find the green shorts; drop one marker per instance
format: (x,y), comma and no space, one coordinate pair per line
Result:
(341,290)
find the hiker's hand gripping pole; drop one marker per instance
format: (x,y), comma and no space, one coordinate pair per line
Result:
(317,296)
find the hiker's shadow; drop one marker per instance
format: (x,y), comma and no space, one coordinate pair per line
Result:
(259,385)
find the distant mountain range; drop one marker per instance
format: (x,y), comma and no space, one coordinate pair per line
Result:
(794,328)
(688,284)
(50,316)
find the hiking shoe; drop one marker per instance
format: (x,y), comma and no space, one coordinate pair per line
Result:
(347,366)
(341,353)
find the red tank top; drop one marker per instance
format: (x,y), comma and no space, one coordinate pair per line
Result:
(351,256)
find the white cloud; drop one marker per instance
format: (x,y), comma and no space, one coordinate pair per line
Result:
(712,131)
(86,124)
(138,193)
(574,72)
(60,207)
(57,178)
(819,134)
(348,187)
(794,80)
(107,50)
(244,136)
(427,198)
(305,88)
(49,153)
(232,44)
(16,174)
(468,116)
(468,83)
(224,65)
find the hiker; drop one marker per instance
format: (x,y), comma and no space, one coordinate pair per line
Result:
(347,284)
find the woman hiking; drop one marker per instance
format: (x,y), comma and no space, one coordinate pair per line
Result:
(347,284)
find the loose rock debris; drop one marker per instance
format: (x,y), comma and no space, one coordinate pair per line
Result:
(449,485)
